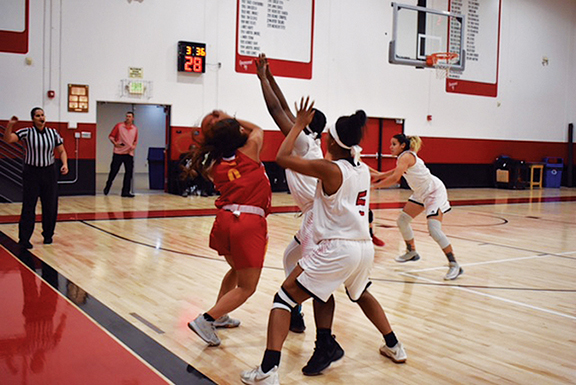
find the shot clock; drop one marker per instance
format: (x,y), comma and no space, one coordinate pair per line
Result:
(191,57)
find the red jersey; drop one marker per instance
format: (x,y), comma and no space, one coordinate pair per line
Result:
(242,181)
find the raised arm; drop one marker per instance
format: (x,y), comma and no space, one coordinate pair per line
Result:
(278,92)
(255,141)
(9,136)
(282,120)
(322,169)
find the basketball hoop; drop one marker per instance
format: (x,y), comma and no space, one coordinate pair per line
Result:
(442,62)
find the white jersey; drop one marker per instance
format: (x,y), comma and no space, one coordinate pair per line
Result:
(302,187)
(344,214)
(419,178)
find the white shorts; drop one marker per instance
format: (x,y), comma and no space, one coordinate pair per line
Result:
(434,201)
(305,235)
(334,262)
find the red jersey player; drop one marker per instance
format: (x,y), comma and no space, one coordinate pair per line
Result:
(230,157)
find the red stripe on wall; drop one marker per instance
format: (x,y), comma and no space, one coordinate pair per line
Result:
(453,150)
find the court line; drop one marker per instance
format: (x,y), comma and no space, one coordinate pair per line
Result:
(521,304)
(546,255)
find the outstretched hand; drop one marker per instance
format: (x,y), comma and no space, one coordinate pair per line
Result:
(262,66)
(13,120)
(304,112)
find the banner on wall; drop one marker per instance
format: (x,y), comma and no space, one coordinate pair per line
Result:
(14,15)
(282,29)
(482,44)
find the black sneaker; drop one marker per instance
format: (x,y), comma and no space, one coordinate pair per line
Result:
(25,244)
(297,321)
(48,241)
(106,190)
(324,354)
(128,195)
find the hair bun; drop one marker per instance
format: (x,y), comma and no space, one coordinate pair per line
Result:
(360,117)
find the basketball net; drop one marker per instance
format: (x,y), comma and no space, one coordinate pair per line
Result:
(442,63)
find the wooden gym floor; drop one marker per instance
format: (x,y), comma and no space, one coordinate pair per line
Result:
(131,273)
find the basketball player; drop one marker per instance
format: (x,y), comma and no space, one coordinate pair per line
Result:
(301,186)
(230,157)
(429,195)
(344,252)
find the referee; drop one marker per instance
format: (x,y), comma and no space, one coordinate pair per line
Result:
(40,176)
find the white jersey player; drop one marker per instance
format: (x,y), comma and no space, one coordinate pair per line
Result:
(429,194)
(344,252)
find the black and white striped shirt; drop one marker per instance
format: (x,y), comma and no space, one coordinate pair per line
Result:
(39,145)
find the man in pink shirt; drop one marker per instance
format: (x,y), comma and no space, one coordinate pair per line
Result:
(124,137)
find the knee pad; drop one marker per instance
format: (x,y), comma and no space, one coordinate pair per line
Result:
(403,223)
(435,229)
(283,301)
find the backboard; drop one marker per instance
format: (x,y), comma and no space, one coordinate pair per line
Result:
(419,32)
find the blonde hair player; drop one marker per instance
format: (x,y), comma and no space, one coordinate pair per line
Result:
(429,194)
(344,253)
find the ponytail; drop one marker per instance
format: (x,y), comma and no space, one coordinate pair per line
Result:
(415,143)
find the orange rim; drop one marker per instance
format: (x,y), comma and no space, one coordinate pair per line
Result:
(433,59)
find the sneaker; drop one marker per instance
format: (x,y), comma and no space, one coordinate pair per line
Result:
(205,330)
(324,354)
(297,321)
(48,241)
(409,256)
(377,241)
(25,244)
(226,322)
(106,190)
(128,195)
(396,353)
(256,376)
(454,271)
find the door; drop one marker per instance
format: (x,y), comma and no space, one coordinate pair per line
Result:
(376,142)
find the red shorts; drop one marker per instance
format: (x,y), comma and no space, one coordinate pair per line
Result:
(243,237)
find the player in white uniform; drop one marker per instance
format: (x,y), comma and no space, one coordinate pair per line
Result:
(344,253)
(429,194)
(301,186)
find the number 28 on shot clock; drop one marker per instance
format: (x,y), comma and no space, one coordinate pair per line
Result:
(191,57)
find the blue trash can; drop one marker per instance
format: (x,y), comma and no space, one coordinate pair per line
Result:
(553,172)
(156,168)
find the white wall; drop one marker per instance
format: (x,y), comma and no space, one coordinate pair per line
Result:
(94,43)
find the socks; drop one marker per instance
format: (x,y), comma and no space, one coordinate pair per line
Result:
(271,359)
(390,339)
(450,257)
(208,317)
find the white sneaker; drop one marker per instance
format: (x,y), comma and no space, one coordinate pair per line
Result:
(205,330)
(409,256)
(454,271)
(396,353)
(256,376)
(226,322)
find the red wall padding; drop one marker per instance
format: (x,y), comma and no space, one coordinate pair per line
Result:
(434,150)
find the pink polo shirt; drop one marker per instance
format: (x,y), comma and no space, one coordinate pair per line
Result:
(124,134)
